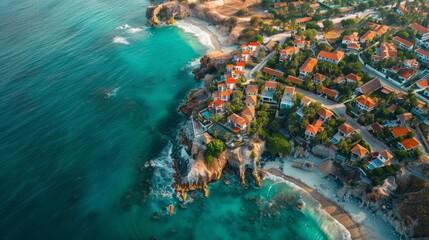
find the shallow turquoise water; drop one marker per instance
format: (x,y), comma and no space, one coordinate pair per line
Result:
(80,115)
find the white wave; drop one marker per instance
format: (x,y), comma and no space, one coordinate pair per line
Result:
(120,40)
(113,92)
(194,63)
(163,174)
(202,35)
(126,26)
(135,30)
(330,226)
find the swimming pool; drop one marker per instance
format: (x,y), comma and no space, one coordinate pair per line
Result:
(334,140)
(206,114)
(371,167)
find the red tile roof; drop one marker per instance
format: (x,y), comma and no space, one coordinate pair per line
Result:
(329,92)
(353,77)
(240,64)
(345,128)
(419,28)
(325,113)
(252,89)
(254,44)
(410,143)
(237,119)
(422,52)
(250,99)
(294,80)
(303,20)
(335,56)
(386,155)
(308,65)
(403,41)
(355,46)
(273,72)
(407,73)
(367,101)
(400,131)
(368,36)
(231,81)
(359,150)
(423,83)
(312,129)
(290,50)
(271,84)
(319,77)
(218,103)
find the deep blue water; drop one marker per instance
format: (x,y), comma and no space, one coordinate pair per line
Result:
(83,105)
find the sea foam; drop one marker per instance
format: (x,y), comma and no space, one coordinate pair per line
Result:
(120,40)
(202,35)
(330,226)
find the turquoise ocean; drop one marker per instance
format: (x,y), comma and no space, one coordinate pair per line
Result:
(88,95)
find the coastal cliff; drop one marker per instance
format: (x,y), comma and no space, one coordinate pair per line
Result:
(200,172)
(168,12)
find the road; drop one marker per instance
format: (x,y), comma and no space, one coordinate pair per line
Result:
(340,110)
(260,65)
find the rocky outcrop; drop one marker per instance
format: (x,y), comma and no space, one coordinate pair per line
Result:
(196,98)
(167,12)
(210,63)
(247,157)
(201,173)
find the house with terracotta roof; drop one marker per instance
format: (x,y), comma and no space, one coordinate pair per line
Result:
(242,57)
(294,80)
(375,128)
(303,20)
(318,78)
(386,51)
(358,152)
(377,28)
(236,122)
(325,114)
(240,66)
(365,103)
(420,109)
(248,113)
(422,55)
(408,144)
(300,42)
(352,38)
(404,118)
(251,100)
(230,83)
(368,36)
(332,57)
(382,158)
(340,79)
(406,74)
(331,93)
(230,67)
(353,46)
(312,129)
(307,67)
(217,106)
(287,98)
(288,52)
(269,90)
(422,84)
(422,32)
(273,72)
(252,90)
(222,95)
(221,87)
(411,63)
(370,87)
(403,44)
(236,74)
(345,130)
(278,5)
(305,101)
(400,131)
(253,46)
(353,78)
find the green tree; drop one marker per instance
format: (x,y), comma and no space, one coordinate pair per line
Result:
(254,21)
(278,144)
(215,148)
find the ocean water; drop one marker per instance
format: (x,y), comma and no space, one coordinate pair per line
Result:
(88,95)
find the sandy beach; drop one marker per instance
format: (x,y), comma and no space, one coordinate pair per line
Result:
(328,205)
(362,223)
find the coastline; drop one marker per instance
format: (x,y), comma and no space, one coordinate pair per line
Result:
(371,224)
(332,208)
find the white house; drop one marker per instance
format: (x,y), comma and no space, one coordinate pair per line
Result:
(287,99)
